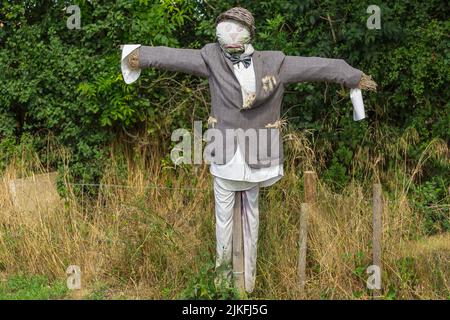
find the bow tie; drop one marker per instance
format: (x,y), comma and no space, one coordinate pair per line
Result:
(246,60)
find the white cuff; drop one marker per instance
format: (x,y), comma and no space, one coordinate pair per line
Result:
(129,75)
(358,104)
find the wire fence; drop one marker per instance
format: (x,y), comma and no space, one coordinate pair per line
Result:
(150,186)
(147,187)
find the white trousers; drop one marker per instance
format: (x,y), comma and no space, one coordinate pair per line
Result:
(224,204)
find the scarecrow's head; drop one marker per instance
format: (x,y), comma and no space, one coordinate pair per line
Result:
(234,29)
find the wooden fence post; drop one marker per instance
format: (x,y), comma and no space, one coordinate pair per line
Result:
(310,185)
(377,230)
(238,244)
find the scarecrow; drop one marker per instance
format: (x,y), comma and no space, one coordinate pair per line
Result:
(246,87)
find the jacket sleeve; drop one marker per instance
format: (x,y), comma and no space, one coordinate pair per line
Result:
(303,69)
(173,59)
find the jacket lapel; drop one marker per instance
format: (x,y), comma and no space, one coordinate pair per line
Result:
(257,66)
(229,64)
(236,83)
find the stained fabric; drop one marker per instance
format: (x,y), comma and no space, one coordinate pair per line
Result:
(232,36)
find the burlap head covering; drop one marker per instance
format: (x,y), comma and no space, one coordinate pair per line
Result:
(241,15)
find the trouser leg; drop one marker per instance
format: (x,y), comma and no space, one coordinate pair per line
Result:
(224,204)
(250,215)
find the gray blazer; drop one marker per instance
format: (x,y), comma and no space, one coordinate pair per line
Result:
(273,71)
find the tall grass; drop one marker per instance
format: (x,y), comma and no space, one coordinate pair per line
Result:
(149,232)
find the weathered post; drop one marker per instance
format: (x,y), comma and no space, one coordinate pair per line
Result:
(377,229)
(238,244)
(310,186)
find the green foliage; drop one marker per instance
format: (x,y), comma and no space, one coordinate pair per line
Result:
(431,199)
(68,81)
(204,285)
(407,272)
(20,287)
(99,292)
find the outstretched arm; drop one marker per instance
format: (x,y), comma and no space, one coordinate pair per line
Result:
(303,69)
(180,60)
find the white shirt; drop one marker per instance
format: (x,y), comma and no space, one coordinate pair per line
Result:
(237,174)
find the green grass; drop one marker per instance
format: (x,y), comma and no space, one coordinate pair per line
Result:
(99,292)
(37,287)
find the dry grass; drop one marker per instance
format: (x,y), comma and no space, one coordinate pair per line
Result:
(148,243)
